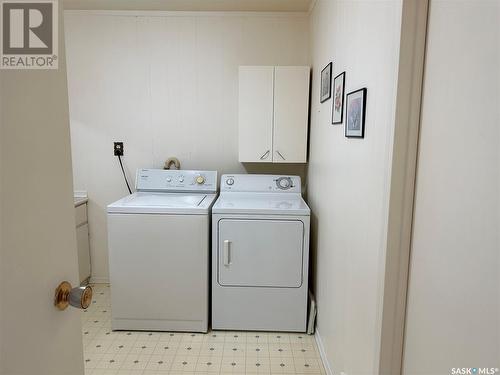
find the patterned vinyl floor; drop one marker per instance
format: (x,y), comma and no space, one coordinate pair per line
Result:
(217,352)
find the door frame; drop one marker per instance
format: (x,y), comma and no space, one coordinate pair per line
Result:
(402,185)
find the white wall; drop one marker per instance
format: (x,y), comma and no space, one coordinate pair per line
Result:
(348,179)
(167,85)
(454,291)
(192,5)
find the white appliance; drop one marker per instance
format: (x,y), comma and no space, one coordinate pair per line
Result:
(159,252)
(260,254)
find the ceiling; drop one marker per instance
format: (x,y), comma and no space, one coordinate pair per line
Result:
(193,5)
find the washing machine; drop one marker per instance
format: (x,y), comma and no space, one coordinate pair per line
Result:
(159,252)
(260,254)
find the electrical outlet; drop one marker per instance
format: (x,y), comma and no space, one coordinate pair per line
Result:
(118,149)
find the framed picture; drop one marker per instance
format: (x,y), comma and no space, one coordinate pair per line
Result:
(326,83)
(355,114)
(338,99)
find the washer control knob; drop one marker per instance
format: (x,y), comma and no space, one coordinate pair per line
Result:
(284,183)
(230,181)
(169,179)
(181,179)
(200,180)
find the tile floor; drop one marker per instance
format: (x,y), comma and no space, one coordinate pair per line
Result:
(218,352)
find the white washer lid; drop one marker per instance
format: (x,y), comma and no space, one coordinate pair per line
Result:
(261,203)
(163,203)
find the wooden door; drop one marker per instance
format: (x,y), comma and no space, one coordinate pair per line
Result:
(37,224)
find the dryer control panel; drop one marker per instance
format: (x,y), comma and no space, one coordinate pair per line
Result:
(166,180)
(263,183)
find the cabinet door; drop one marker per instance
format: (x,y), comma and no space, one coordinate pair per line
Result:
(83,247)
(255,113)
(260,253)
(291,114)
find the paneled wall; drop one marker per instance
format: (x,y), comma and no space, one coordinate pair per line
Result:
(166,84)
(349,179)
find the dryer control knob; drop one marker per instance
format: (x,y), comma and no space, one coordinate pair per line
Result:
(284,183)
(200,180)
(230,181)
(181,179)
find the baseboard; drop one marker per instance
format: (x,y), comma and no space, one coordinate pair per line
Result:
(99,280)
(322,353)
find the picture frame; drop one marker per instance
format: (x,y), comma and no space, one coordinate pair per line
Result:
(338,99)
(326,83)
(355,113)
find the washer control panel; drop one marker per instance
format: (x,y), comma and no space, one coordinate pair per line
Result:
(260,183)
(176,180)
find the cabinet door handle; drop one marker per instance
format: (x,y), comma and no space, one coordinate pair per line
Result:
(266,154)
(279,153)
(226,253)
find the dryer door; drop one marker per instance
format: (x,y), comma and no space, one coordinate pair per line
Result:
(260,253)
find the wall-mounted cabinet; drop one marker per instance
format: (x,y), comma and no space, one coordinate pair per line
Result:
(273,114)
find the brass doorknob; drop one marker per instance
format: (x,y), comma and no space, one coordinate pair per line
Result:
(79,297)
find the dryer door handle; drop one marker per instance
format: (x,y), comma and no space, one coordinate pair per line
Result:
(226,254)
